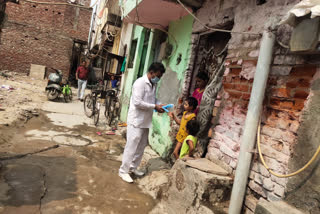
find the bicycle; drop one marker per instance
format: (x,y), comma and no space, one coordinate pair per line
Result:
(112,105)
(92,104)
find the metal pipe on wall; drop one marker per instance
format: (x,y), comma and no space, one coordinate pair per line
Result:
(251,124)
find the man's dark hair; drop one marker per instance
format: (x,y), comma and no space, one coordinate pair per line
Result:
(203,76)
(157,66)
(192,102)
(193,127)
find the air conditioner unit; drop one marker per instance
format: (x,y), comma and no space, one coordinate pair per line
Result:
(305,37)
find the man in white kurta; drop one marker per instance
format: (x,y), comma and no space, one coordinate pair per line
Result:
(142,104)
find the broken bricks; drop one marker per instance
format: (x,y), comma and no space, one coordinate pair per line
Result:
(27,114)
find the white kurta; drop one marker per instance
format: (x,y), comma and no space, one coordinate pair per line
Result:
(142,104)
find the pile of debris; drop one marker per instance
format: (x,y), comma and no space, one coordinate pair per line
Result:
(189,187)
(27,114)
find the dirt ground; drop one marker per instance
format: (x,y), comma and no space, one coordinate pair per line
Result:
(53,161)
(19,93)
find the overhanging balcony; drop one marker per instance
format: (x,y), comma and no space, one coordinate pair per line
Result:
(156,13)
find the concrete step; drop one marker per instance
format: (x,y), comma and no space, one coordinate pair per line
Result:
(276,207)
(190,188)
(206,165)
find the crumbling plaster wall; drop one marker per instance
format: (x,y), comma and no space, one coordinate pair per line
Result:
(303,190)
(288,89)
(161,136)
(41,34)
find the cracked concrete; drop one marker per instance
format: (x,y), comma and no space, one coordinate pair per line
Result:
(44,192)
(30,153)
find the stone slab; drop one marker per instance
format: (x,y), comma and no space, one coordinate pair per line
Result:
(206,165)
(37,71)
(275,207)
(305,35)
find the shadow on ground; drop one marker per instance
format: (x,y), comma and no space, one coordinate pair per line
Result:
(29,180)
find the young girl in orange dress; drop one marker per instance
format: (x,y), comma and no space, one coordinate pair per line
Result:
(190,105)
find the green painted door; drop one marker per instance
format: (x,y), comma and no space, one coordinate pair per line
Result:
(144,53)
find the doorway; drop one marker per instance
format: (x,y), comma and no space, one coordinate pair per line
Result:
(144,53)
(211,55)
(77,54)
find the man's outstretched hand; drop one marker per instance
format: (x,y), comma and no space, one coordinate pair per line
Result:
(159,108)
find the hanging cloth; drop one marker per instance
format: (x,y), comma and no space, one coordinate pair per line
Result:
(123,67)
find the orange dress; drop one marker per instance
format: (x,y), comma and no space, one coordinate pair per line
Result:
(182,133)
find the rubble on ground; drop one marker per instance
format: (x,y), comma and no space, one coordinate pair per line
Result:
(187,189)
(27,114)
(19,95)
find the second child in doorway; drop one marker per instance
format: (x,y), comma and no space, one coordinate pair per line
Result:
(189,106)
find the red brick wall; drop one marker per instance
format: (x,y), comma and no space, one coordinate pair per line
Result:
(287,90)
(2,14)
(41,34)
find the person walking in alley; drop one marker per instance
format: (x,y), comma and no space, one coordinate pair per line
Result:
(143,102)
(82,74)
(189,106)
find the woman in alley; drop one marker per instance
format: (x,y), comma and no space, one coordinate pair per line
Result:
(201,83)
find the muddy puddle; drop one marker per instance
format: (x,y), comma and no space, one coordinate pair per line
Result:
(52,167)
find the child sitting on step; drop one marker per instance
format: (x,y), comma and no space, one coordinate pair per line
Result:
(189,144)
(189,106)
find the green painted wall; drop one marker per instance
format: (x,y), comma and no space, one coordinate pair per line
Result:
(181,30)
(160,139)
(131,73)
(180,37)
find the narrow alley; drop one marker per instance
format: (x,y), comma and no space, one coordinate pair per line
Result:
(159,107)
(52,161)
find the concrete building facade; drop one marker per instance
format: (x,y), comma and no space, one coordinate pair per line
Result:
(230,58)
(173,33)
(289,98)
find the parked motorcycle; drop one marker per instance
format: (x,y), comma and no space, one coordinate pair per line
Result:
(55,87)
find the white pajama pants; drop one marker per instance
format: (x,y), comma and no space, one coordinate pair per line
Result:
(137,140)
(82,84)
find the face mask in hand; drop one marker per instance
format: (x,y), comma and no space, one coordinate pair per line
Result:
(155,80)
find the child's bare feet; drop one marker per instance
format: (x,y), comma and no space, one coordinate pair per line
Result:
(176,155)
(177,150)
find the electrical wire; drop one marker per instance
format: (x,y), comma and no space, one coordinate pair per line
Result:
(167,32)
(115,24)
(282,45)
(57,3)
(137,13)
(214,29)
(283,175)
